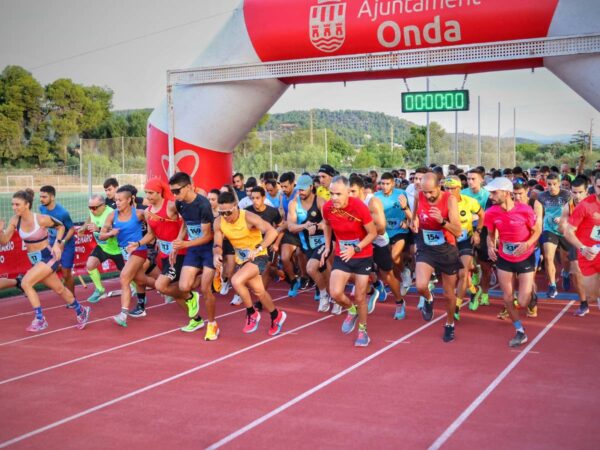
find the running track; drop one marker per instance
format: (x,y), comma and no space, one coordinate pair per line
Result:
(151,386)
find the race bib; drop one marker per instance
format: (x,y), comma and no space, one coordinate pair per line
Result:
(509,247)
(433,237)
(34,257)
(351,243)
(96,235)
(596,233)
(242,254)
(463,236)
(393,223)
(165,246)
(125,253)
(316,241)
(194,231)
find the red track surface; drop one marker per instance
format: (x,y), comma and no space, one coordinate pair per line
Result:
(308,388)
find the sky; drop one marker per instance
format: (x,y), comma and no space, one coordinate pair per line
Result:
(129,45)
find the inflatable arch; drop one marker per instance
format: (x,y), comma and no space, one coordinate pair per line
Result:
(213,118)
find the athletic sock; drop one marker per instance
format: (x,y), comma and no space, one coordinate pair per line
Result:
(198,318)
(250,311)
(76,306)
(449,324)
(123,315)
(274,314)
(362,327)
(141,299)
(95,276)
(552,284)
(584,303)
(352,310)
(519,326)
(400,302)
(38,313)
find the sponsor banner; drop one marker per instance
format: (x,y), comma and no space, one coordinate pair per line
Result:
(284,29)
(208,169)
(14,261)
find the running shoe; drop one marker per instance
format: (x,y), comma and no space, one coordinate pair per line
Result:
(503,315)
(212,332)
(336,309)
(566,280)
(236,300)
(349,323)
(362,340)
(193,304)
(258,305)
(581,311)
(421,304)
(37,325)
(427,311)
(493,278)
(251,322)
(95,297)
(70,306)
(519,339)
(406,277)
(324,302)
(380,288)
(552,292)
(138,311)
(448,333)
(169,299)
(19,279)
(317,296)
(225,286)
(293,292)
(372,301)
(193,325)
(83,317)
(304,283)
(120,320)
(532,311)
(476,276)
(400,313)
(276,324)
(474,303)
(217,283)
(484,300)
(457,313)
(431,285)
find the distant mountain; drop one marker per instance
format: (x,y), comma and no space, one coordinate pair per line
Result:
(545,139)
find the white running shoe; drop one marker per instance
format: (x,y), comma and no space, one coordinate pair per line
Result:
(225,286)
(236,300)
(324,302)
(406,276)
(336,309)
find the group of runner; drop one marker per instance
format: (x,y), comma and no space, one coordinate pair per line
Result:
(355,239)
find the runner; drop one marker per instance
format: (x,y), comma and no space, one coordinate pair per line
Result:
(110,190)
(382,254)
(125,223)
(518,232)
(306,221)
(469,237)
(50,207)
(553,200)
(33,230)
(104,250)
(350,220)
(438,224)
(245,230)
(326,174)
(198,221)
(583,231)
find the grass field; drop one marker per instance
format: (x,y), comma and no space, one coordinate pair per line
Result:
(75,202)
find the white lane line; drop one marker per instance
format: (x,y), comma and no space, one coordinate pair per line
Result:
(319,387)
(111,349)
(155,385)
(441,440)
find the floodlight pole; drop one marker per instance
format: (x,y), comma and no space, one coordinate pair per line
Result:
(478,130)
(171,114)
(427,148)
(498,143)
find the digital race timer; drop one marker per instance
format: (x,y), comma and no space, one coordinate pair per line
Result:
(435,101)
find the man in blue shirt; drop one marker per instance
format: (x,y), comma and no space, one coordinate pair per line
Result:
(49,207)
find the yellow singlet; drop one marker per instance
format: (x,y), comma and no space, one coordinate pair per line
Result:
(323,192)
(242,239)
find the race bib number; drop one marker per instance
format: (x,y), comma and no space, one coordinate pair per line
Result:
(96,235)
(165,246)
(194,231)
(509,247)
(316,241)
(393,224)
(596,233)
(125,253)
(463,236)
(242,254)
(433,237)
(351,243)
(34,257)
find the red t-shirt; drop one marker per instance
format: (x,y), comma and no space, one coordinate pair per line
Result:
(165,229)
(586,217)
(348,225)
(513,227)
(429,226)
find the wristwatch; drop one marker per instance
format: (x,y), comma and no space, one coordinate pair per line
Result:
(443,222)
(60,241)
(357,249)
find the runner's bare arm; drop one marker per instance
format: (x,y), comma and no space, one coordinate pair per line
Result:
(376,208)
(453,223)
(5,235)
(107,230)
(217,244)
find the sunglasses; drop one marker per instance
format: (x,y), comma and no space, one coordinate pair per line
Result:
(226,212)
(177,191)
(94,208)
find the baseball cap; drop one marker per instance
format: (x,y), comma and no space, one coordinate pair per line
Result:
(304,182)
(500,184)
(329,170)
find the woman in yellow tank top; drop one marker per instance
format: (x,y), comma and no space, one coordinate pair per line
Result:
(245,230)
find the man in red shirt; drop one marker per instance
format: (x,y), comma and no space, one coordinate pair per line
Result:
(583,231)
(349,218)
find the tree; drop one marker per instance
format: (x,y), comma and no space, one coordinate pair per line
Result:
(581,139)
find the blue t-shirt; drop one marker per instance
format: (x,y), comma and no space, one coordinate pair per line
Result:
(59,213)
(482,196)
(195,214)
(394,215)
(274,200)
(285,201)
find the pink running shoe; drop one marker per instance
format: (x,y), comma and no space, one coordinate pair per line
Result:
(277,323)
(252,322)
(38,325)
(82,319)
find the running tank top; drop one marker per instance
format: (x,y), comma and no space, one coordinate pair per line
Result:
(110,246)
(129,231)
(164,228)
(433,232)
(313,214)
(241,237)
(38,234)
(382,239)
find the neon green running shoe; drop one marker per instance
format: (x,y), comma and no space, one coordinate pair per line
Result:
(484,300)
(193,305)
(193,325)
(474,303)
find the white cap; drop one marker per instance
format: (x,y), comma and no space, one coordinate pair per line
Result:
(500,184)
